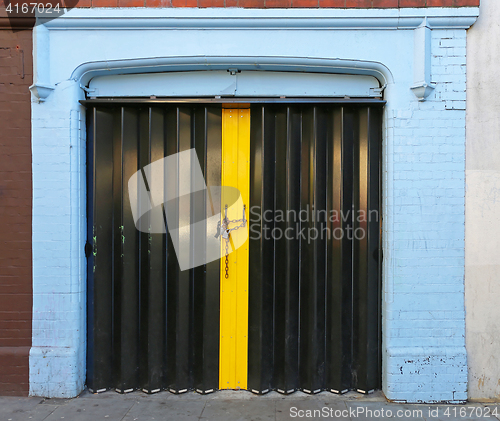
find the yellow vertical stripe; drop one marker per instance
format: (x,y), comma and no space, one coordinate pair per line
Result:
(234,290)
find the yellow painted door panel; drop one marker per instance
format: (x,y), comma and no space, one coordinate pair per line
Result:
(233,359)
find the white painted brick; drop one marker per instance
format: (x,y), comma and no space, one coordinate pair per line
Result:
(459,51)
(455,105)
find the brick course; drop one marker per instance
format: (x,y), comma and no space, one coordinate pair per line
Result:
(16,300)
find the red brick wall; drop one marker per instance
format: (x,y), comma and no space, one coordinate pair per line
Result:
(278,3)
(16,75)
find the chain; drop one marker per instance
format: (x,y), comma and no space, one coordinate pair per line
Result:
(234,221)
(224,230)
(227,259)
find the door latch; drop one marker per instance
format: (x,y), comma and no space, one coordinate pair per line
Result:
(224,231)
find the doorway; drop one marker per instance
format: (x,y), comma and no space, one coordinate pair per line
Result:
(300,309)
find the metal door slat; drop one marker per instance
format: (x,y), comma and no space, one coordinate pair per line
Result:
(339,255)
(153,335)
(184,282)
(287,132)
(126,279)
(208,135)
(100,289)
(312,294)
(261,271)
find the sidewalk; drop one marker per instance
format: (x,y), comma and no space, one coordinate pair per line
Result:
(233,406)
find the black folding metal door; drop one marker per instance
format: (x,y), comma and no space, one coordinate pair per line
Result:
(314,303)
(151,326)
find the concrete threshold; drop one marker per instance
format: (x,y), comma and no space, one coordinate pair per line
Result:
(231,405)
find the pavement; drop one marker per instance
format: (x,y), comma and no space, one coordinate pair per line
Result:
(234,406)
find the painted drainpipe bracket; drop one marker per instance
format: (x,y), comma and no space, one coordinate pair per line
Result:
(422,87)
(422,90)
(40,91)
